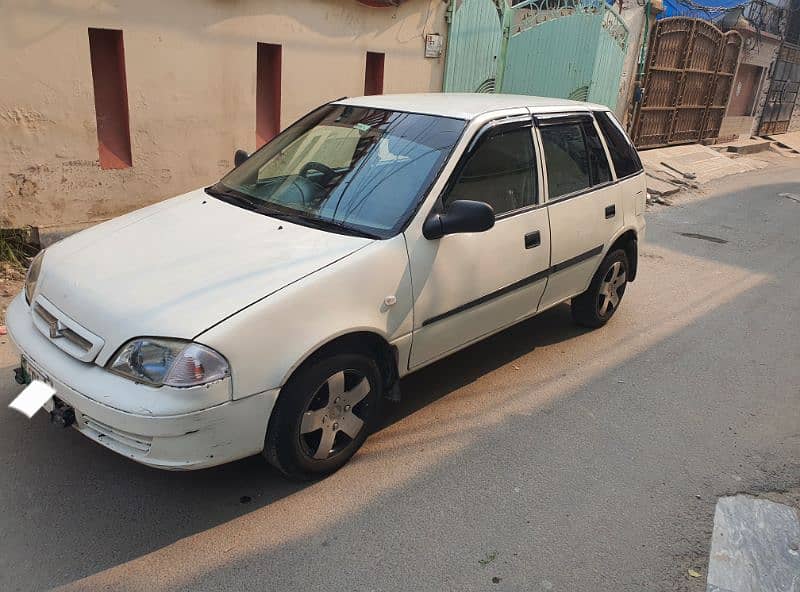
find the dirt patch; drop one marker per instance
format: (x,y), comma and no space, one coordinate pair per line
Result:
(11,281)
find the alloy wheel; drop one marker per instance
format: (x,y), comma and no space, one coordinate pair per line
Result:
(611,288)
(334,416)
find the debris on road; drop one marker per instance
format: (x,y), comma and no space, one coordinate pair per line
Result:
(789,143)
(488,559)
(658,187)
(685,174)
(659,200)
(792,196)
(691,166)
(744,146)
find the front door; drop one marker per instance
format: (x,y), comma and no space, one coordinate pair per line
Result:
(469,285)
(585,205)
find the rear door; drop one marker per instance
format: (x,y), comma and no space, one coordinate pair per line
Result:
(627,169)
(469,285)
(583,200)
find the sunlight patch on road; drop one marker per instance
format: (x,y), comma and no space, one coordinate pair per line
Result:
(432,435)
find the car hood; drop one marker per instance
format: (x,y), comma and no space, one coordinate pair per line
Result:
(178,267)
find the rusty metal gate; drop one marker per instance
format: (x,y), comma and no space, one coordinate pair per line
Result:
(783,92)
(690,69)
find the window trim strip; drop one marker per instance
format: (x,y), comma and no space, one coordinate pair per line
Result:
(580,192)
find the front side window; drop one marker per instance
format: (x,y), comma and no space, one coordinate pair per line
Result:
(623,154)
(346,169)
(500,172)
(574,157)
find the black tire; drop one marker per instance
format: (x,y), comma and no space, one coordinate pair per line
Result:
(307,396)
(594,308)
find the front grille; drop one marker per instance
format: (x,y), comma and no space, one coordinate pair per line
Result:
(64,332)
(116,439)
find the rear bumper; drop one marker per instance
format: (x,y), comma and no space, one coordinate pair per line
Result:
(215,435)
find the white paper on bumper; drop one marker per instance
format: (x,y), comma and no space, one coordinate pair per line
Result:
(29,401)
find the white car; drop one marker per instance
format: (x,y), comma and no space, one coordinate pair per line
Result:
(273,311)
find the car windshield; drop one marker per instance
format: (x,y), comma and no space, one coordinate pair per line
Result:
(347,169)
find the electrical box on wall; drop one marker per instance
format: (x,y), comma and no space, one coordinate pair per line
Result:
(433,45)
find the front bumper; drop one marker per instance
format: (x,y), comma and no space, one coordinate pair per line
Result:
(195,439)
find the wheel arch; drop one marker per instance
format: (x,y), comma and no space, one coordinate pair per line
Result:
(357,341)
(628,241)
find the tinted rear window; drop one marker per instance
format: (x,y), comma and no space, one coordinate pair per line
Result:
(623,154)
(574,157)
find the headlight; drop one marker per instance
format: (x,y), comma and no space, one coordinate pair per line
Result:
(33,276)
(171,362)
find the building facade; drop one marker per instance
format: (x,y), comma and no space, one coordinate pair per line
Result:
(765,89)
(109,106)
(782,106)
(760,28)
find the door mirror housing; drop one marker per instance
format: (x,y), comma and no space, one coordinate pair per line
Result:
(239,157)
(462,215)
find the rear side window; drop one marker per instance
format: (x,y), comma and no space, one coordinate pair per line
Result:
(500,172)
(574,157)
(623,154)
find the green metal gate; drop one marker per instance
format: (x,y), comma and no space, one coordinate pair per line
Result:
(557,48)
(473,46)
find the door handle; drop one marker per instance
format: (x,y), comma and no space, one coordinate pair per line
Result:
(611,211)
(533,239)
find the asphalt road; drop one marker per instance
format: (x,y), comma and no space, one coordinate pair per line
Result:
(545,458)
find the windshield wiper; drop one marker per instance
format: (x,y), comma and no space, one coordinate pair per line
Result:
(232,198)
(295,217)
(322,224)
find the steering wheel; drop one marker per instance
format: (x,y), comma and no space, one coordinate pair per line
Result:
(327,172)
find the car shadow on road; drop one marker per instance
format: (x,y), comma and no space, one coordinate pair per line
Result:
(59,479)
(472,363)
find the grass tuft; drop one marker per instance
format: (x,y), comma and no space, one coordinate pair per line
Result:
(16,247)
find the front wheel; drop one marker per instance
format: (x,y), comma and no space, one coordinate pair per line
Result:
(323,415)
(598,304)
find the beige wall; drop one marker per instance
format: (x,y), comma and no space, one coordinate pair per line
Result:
(191,89)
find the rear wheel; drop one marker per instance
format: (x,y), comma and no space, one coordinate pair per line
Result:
(598,304)
(323,415)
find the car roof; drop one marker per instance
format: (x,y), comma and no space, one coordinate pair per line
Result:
(467,105)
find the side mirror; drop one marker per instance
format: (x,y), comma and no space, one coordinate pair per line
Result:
(462,215)
(239,157)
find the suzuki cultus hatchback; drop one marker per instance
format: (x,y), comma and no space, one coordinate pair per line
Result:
(273,311)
